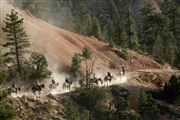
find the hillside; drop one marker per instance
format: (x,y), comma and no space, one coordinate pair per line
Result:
(58,45)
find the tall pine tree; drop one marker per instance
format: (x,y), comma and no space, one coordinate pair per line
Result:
(130,28)
(17,40)
(147,27)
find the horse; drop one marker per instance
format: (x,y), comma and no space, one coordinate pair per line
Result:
(37,88)
(67,84)
(108,78)
(54,85)
(14,89)
(96,81)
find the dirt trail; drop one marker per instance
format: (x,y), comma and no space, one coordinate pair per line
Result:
(128,81)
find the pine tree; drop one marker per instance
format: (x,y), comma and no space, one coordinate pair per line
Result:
(169,9)
(158,50)
(148,27)
(17,40)
(6,111)
(37,67)
(76,68)
(169,46)
(86,26)
(124,111)
(148,107)
(96,29)
(130,28)
(70,111)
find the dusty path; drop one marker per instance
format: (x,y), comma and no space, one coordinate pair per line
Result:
(128,81)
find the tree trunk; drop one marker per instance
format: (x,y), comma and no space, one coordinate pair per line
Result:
(17,53)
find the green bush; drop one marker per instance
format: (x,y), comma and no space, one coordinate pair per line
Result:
(6,111)
(112,44)
(148,107)
(89,98)
(70,111)
(123,54)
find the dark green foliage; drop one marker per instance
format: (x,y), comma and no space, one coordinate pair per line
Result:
(70,111)
(119,92)
(156,37)
(87,53)
(3,69)
(36,67)
(148,27)
(76,69)
(17,40)
(112,44)
(90,98)
(172,89)
(6,112)
(132,38)
(123,111)
(148,107)
(96,29)
(91,102)
(123,54)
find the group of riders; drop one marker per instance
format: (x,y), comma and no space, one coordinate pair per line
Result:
(67,83)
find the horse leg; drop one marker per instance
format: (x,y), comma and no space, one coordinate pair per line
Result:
(16,91)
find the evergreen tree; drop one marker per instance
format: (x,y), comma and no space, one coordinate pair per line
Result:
(169,47)
(76,69)
(130,28)
(123,110)
(169,9)
(96,29)
(148,27)
(70,111)
(86,26)
(165,42)
(17,40)
(148,107)
(6,111)
(158,50)
(36,67)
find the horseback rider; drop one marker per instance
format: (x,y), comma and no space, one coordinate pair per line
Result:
(53,82)
(66,80)
(14,85)
(123,70)
(109,74)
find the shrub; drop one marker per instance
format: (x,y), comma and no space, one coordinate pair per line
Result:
(113,64)
(112,44)
(89,98)
(123,54)
(148,107)
(70,111)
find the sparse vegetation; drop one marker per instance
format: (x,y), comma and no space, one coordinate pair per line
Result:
(113,64)
(123,54)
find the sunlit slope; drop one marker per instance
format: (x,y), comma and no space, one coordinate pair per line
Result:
(59,45)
